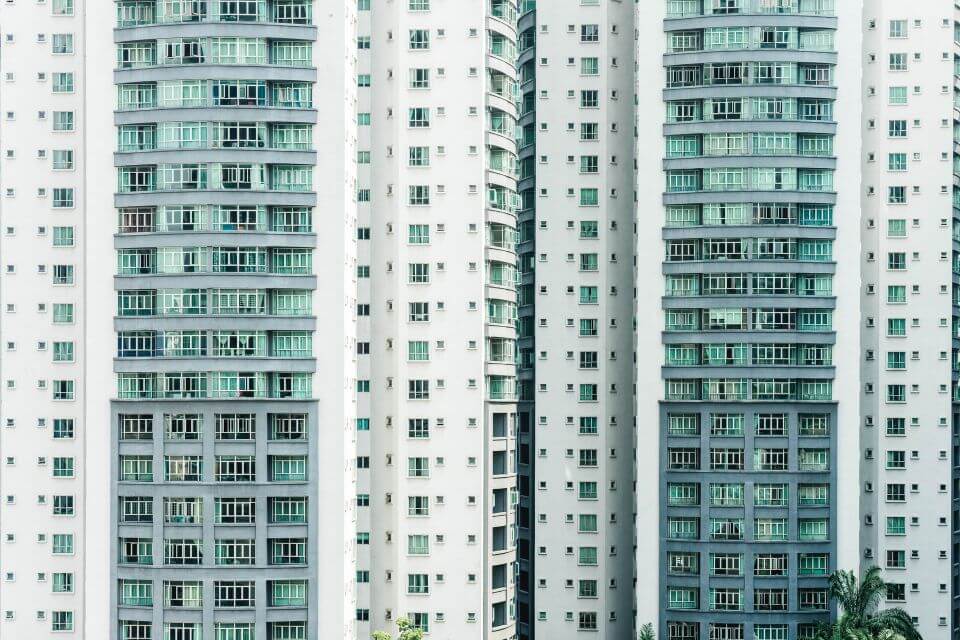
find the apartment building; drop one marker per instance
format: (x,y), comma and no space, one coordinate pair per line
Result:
(437,304)
(515,320)
(576,234)
(43,297)
(225,500)
(909,223)
(751,222)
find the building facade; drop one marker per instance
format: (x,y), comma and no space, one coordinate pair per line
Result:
(44,296)
(216,428)
(756,242)
(909,316)
(515,320)
(576,249)
(437,305)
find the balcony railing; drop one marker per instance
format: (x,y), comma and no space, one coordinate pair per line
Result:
(138,13)
(689,8)
(217,385)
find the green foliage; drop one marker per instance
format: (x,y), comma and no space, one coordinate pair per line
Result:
(859,617)
(646,632)
(406,632)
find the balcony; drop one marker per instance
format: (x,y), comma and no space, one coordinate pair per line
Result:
(137,13)
(189,94)
(217,385)
(222,260)
(196,218)
(214,51)
(691,8)
(139,303)
(215,177)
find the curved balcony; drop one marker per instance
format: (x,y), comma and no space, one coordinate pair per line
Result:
(212,220)
(213,50)
(266,96)
(748,390)
(750,179)
(140,13)
(766,215)
(781,74)
(791,39)
(696,8)
(502,237)
(229,177)
(727,250)
(214,302)
(214,385)
(780,355)
(504,11)
(235,259)
(501,388)
(754,280)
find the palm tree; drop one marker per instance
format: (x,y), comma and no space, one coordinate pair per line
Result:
(645,632)
(859,618)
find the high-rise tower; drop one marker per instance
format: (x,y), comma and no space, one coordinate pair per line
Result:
(754,232)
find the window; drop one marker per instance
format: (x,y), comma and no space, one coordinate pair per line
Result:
(62,198)
(419,78)
(896,326)
(63,83)
(63,236)
(419,312)
(418,234)
(419,156)
(63,467)
(63,120)
(896,393)
(63,505)
(419,39)
(898,29)
(896,492)
(418,389)
(897,128)
(418,467)
(63,389)
(897,95)
(589,33)
(418,117)
(233,631)
(287,593)
(61,620)
(230,594)
(62,43)
(896,360)
(63,428)
(62,274)
(418,584)
(63,351)
(419,195)
(287,551)
(418,350)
